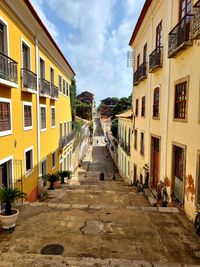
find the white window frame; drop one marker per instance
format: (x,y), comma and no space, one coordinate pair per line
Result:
(27,44)
(53,167)
(60,91)
(27,173)
(43,106)
(41,57)
(8,132)
(25,103)
(67,90)
(51,67)
(53,126)
(7,33)
(44,160)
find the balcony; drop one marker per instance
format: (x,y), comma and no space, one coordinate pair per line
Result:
(29,81)
(135,78)
(54,92)
(44,88)
(155,59)
(142,71)
(180,36)
(66,140)
(8,71)
(196,21)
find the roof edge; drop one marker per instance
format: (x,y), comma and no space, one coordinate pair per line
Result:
(140,20)
(33,11)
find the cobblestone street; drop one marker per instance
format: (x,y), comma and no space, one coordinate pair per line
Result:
(99,223)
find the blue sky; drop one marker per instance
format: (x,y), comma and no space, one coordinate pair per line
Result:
(94,37)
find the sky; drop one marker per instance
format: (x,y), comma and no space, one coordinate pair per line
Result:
(94,36)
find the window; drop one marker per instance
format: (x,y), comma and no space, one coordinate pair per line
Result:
(27,116)
(53,159)
(5,115)
(60,83)
(156,102)
(44,169)
(67,89)
(43,117)
(53,117)
(3,38)
(65,129)
(145,53)
(143,107)
(198,179)
(64,87)
(51,76)
(136,107)
(26,56)
(185,8)
(135,173)
(135,139)
(159,35)
(28,160)
(42,68)
(142,143)
(138,61)
(180,100)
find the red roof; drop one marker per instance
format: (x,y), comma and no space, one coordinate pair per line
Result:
(29,5)
(140,20)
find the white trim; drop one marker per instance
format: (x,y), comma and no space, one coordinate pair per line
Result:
(8,132)
(27,173)
(43,106)
(12,168)
(54,126)
(31,105)
(7,33)
(53,167)
(26,43)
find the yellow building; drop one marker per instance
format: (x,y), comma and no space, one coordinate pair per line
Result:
(125,128)
(35,115)
(166,99)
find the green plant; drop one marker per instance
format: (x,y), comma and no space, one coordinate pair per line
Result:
(51,178)
(63,174)
(8,196)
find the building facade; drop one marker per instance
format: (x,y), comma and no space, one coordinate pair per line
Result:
(166,99)
(35,116)
(125,128)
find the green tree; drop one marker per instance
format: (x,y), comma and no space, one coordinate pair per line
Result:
(83,110)
(124,104)
(73,100)
(114,127)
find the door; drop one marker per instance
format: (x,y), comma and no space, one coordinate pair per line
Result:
(155,163)
(178,164)
(4,175)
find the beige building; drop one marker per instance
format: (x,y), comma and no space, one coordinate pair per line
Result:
(125,128)
(166,94)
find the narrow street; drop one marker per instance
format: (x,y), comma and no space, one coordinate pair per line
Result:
(100,223)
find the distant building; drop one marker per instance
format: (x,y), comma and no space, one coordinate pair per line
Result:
(86,97)
(109,101)
(106,107)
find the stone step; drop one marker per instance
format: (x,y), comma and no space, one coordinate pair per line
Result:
(13,259)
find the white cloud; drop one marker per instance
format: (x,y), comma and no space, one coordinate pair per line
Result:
(95,47)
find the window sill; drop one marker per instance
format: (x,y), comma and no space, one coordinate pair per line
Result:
(4,133)
(156,118)
(43,130)
(28,128)
(180,120)
(28,173)
(53,127)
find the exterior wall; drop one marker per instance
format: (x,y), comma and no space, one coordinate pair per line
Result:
(16,143)
(124,159)
(169,131)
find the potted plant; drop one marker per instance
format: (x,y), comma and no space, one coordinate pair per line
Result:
(51,178)
(8,216)
(63,174)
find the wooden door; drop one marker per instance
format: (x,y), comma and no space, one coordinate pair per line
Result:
(155,161)
(178,161)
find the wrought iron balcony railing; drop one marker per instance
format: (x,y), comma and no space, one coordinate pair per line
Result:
(135,78)
(155,59)
(54,92)
(142,71)
(63,142)
(29,79)
(180,36)
(44,87)
(196,21)
(8,69)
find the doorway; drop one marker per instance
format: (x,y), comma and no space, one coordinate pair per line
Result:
(155,144)
(178,172)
